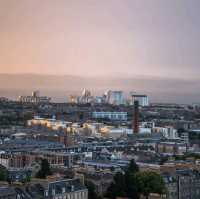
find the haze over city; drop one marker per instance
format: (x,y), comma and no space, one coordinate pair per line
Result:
(99,99)
(131,39)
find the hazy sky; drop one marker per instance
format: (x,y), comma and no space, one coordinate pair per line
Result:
(100,37)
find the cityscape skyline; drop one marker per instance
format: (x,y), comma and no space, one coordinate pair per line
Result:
(169,90)
(99,99)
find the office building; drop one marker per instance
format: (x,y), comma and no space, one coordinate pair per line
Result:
(114,97)
(34,98)
(142,99)
(119,116)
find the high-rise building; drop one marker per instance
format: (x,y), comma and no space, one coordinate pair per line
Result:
(34,98)
(36,94)
(114,97)
(142,99)
(86,97)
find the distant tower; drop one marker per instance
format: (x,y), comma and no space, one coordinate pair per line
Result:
(136,117)
(35,94)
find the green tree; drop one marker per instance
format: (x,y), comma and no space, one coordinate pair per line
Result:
(44,170)
(150,182)
(134,183)
(124,185)
(117,187)
(92,194)
(130,180)
(3,173)
(132,167)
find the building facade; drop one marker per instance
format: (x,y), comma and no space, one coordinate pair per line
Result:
(110,115)
(143,100)
(66,189)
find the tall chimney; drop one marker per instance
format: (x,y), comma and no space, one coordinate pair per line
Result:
(136,117)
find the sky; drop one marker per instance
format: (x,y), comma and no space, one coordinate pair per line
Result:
(101,37)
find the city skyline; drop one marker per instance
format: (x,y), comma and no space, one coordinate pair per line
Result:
(100,38)
(99,99)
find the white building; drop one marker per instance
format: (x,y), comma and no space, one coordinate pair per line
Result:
(94,127)
(110,115)
(34,98)
(142,99)
(99,100)
(86,97)
(147,124)
(111,131)
(168,132)
(143,130)
(114,97)
(49,123)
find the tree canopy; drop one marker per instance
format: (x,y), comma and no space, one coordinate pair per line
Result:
(44,170)
(124,184)
(133,183)
(3,173)
(92,194)
(117,187)
(150,182)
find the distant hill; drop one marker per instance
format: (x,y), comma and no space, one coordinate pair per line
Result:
(159,89)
